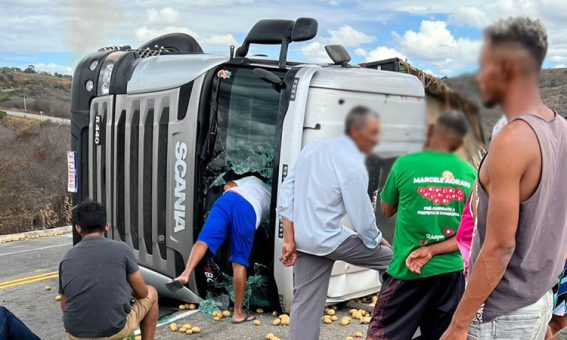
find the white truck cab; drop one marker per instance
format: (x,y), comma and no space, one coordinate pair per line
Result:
(158,130)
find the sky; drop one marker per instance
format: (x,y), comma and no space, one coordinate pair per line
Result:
(442,37)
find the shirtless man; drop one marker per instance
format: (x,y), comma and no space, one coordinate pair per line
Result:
(519,242)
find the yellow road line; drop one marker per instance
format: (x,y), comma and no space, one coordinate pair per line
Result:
(28,280)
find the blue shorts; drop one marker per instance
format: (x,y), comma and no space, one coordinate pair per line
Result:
(230,215)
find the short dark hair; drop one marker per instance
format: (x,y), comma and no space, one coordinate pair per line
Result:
(527,32)
(454,121)
(90,216)
(357,117)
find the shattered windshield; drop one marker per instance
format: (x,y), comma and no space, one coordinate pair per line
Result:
(246,127)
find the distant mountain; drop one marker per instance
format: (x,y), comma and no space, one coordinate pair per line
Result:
(553,87)
(45,93)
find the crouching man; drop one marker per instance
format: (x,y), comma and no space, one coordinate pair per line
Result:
(237,213)
(103,293)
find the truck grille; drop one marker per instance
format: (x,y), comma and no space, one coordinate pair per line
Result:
(128,172)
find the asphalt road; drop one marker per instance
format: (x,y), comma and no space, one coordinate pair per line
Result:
(39,117)
(26,267)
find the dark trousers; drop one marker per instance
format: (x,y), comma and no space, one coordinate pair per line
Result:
(405,305)
(11,328)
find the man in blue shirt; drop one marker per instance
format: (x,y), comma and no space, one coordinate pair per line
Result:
(329,180)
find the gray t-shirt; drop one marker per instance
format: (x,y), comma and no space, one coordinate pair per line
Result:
(93,279)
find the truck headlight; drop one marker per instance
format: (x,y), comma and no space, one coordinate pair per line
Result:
(105,74)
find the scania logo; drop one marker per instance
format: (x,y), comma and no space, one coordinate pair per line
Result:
(180,186)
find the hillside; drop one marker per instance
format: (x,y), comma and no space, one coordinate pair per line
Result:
(44,93)
(33,174)
(553,87)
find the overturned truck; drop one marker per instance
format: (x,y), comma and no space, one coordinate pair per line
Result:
(158,130)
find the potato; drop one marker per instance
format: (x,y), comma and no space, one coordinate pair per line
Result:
(196,330)
(189,331)
(275,338)
(358,335)
(173,327)
(331,312)
(186,325)
(345,321)
(365,320)
(256,322)
(192,306)
(259,311)
(182,330)
(276,322)
(216,318)
(352,311)
(181,307)
(284,316)
(274,313)
(58,297)
(285,322)
(349,338)
(327,321)
(269,336)
(226,314)
(334,318)
(47,288)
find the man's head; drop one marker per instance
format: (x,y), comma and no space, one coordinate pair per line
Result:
(513,50)
(89,217)
(363,127)
(448,132)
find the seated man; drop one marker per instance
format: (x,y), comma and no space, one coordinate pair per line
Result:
(13,328)
(237,213)
(98,278)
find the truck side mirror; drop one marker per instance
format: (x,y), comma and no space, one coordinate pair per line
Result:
(338,54)
(304,29)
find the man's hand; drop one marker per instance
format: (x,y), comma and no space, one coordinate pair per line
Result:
(418,258)
(455,333)
(385,243)
(289,254)
(183,278)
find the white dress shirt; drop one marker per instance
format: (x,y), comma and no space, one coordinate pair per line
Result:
(328,181)
(257,193)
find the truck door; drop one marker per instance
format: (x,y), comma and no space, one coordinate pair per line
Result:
(238,139)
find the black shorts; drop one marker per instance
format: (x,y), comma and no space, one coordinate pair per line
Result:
(406,305)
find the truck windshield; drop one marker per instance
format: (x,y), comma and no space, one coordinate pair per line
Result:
(246,125)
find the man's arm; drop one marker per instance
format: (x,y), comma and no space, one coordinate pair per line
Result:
(139,288)
(388,210)
(285,210)
(506,165)
(419,257)
(354,191)
(285,206)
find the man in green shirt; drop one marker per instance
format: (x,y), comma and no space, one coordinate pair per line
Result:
(428,191)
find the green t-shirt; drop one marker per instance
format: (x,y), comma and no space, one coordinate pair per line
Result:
(430,190)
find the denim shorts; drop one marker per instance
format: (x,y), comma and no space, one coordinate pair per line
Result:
(527,323)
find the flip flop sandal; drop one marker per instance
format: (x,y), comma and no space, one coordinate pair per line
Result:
(247,318)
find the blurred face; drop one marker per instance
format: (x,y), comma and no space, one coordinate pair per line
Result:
(368,136)
(492,78)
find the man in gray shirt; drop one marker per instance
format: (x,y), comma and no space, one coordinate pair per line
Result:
(98,278)
(329,181)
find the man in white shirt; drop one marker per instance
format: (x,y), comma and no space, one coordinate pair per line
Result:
(244,205)
(328,181)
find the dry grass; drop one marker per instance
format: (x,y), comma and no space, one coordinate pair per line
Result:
(33,175)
